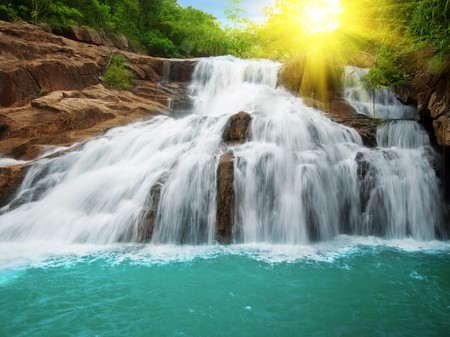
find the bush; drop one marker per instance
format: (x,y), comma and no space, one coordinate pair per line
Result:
(8,13)
(116,75)
(158,45)
(392,67)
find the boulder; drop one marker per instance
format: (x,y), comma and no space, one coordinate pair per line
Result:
(237,129)
(225,197)
(341,112)
(148,222)
(83,35)
(11,178)
(121,42)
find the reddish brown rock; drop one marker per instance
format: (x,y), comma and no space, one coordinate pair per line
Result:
(50,91)
(181,70)
(10,179)
(237,129)
(83,35)
(341,112)
(34,62)
(442,127)
(225,197)
(439,102)
(431,92)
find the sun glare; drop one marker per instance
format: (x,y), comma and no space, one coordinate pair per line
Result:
(321,16)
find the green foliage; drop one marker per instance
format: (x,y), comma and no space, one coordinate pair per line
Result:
(8,13)
(158,45)
(15,11)
(158,27)
(116,75)
(431,23)
(60,16)
(436,63)
(391,68)
(420,24)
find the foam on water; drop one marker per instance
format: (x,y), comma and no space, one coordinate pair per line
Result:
(15,258)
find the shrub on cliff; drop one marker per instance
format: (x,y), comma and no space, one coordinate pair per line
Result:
(116,74)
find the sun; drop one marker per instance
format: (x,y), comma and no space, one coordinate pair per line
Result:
(321,16)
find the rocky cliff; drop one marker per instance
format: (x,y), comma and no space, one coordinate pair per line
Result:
(431,94)
(51,93)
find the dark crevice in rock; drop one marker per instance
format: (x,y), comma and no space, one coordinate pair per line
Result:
(35,80)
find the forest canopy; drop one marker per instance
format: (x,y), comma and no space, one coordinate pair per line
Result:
(158,27)
(394,37)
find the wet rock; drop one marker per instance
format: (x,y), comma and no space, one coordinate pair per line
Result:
(181,70)
(341,112)
(11,178)
(225,197)
(148,222)
(237,129)
(431,92)
(366,178)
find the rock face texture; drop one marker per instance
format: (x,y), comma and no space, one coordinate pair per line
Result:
(10,178)
(236,131)
(51,93)
(341,112)
(431,94)
(149,219)
(225,197)
(237,128)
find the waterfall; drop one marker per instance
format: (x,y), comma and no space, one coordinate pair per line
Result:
(404,134)
(299,178)
(166,73)
(374,103)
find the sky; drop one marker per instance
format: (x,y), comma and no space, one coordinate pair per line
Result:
(253,8)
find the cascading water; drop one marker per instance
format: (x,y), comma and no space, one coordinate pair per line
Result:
(71,255)
(374,103)
(300,177)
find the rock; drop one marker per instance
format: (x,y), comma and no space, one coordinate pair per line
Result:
(431,92)
(148,222)
(50,93)
(121,42)
(83,35)
(225,197)
(442,129)
(439,102)
(341,112)
(237,128)
(53,119)
(11,178)
(181,70)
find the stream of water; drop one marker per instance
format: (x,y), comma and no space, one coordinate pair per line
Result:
(329,238)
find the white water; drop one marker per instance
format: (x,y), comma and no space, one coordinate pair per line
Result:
(297,180)
(374,103)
